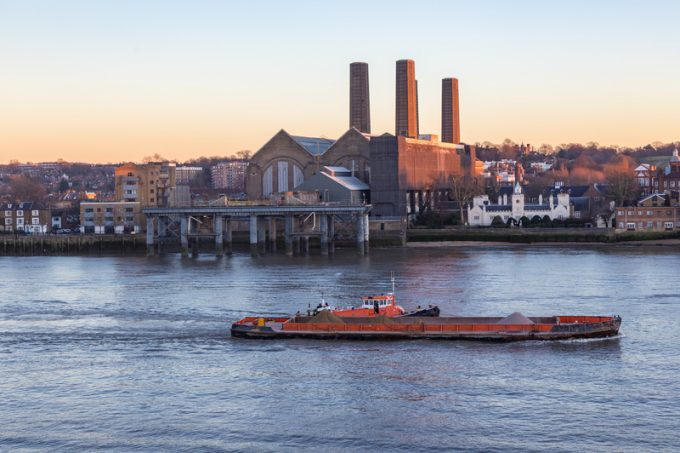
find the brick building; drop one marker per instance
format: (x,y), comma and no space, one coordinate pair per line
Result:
(152,185)
(285,161)
(25,217)
(408,173)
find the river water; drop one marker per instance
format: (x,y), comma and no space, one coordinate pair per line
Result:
(133,353)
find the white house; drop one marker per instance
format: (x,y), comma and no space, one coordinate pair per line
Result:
(482,212)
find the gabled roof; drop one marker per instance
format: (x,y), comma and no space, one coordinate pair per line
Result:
(657,195)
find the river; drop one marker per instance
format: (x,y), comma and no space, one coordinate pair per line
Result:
(133,354)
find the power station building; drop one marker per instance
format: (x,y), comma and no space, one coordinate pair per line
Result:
(405,171)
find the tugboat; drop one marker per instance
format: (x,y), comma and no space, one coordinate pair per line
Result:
(378,305)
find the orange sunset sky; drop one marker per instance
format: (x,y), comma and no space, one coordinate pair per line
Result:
(112,81)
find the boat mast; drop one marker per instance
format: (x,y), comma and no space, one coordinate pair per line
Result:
(392,276)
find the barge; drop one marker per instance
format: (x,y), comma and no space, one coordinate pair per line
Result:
(516,327)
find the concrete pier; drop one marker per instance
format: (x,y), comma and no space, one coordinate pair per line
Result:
(149,235)
(227,240)
(360,234)
(323,227)
(312,221)
(331,234)
(288,231)
(272,234)
(184,235)
(261,235)
(218,223)
(253,234)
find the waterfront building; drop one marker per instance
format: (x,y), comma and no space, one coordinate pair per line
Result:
(336,184)
(152,185)
(359,99)
(406,112)
(111,217)
(230,176)
(25,217)
(408,174)
(450,111)
(482,212)
(651,214)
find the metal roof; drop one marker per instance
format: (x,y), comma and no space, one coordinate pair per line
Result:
(314,145)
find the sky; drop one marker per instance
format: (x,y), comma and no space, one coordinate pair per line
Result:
(118,80)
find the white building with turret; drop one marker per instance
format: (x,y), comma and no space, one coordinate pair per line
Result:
(482,212)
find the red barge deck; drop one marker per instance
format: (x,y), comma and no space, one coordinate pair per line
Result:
(515,327)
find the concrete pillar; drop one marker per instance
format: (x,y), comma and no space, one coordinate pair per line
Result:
(227,241)
(323,227)
(305,245)
(162,226)
(366,232)
(261,235)
(331,234)
(149,235)
(184,235)
(360,234)
(288,231)
(218,223)
(272,234)
(253,234)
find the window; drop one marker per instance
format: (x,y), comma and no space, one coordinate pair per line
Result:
(631,212)
(621,225)
(650,212)
(128,209)
(35,213)
(99,209)
(20,222)
(639,212)
(109,209)
(672,183)
(619,213)
(8,221)
(35,221)
(89,209)
(8,213)
(151,191)
(668,225)
(650,224)
(630,226)
(151,200)
(20,213)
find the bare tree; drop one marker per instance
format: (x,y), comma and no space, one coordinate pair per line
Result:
(620,175)
(463,189)
(24,189)
(155,158)
(243,154)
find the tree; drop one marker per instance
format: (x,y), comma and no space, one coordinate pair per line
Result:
(463,190)
(155,158)
(24,189)
(620,176)
(243,154)
(497,221)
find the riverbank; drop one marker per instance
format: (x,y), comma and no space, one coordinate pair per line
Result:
(537,235)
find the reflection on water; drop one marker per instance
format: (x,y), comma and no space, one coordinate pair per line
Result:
(134,354)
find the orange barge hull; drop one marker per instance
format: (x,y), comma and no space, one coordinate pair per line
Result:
(445,328)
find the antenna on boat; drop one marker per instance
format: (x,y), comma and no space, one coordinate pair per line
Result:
(392,276)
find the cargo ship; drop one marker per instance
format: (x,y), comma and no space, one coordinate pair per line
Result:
(516,327)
